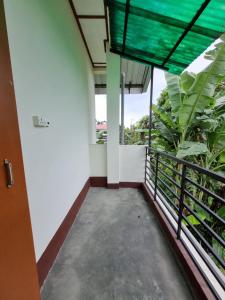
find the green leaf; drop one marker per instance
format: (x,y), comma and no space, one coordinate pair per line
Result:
(220,101)
(141,130)
(174,91)
(165,132)
(164,117)
(204,215)
(221,212)
(201,214)
(193,220)
(223,234)
(210,200)
(218,248)
(216,139)
(191,148)
(222,158)
(186,80)
(202,90)
(207,123)
(191,105)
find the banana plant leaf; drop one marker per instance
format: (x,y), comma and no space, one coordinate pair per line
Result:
(221,212)
(174,90)
(191,148)
(200,95)
(216,139)
(186,80)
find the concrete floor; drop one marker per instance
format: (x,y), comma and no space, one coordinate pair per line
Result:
(115,250)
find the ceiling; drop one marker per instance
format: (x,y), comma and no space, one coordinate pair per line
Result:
(92,19)
(137,77)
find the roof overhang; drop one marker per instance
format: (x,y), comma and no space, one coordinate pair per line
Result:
(137,77)
(92,20)
(165,34)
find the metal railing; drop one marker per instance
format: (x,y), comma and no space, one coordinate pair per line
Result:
(193,197)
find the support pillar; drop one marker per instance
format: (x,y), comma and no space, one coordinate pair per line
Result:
(150,108)
(122,108)
(92,122)
(113,110)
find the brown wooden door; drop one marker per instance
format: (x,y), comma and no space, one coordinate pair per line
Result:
(18,274)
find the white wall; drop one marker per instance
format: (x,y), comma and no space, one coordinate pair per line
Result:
(113,108)
(98,160)
(131,162)
(51,74)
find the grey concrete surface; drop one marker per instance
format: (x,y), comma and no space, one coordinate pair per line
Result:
(115,250)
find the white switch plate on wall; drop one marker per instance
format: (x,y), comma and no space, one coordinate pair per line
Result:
(40,122)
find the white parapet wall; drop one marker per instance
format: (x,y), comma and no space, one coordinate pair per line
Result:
(131,162)
(98,163)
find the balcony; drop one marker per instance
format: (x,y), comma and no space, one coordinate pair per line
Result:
(116,250)
(85,221)
(124,247)
(196,223)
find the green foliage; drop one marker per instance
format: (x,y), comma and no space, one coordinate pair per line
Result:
(138,133)
(189,122)
(220,251)
(221,212)
(143,123)
(101,136)
(186,81)
(191,148)
(174,91)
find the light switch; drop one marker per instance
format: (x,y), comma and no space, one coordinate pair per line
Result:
(40,122)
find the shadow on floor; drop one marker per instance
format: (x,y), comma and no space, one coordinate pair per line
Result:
(115,250)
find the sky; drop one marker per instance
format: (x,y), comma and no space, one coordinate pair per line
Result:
(137,105)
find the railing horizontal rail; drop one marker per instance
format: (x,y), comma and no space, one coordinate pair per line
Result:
(169,178)
(204,241)
(169,210)
(170,168)
(152,164)
(192,166)
(212,232)
(202,188)
(148,168)
(186,200)
(212,213)
(169,189)
(150,183)
(150,171)
(168,199)
(207,262)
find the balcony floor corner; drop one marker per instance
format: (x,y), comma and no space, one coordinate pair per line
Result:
(115,250)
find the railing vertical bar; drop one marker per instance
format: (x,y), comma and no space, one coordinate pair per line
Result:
(146,152)
(192,233)
(150,109)
(181,201)
(156,175)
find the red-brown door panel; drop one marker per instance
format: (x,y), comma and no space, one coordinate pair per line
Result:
(18,274)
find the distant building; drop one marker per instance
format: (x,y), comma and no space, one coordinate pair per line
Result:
(101,126)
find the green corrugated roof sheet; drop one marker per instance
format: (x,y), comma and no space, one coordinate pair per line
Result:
(167,33)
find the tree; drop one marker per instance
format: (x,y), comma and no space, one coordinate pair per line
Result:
(143,123)
(189,122)
(190,115)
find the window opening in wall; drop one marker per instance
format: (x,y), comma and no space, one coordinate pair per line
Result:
(101,118)
(137,99)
